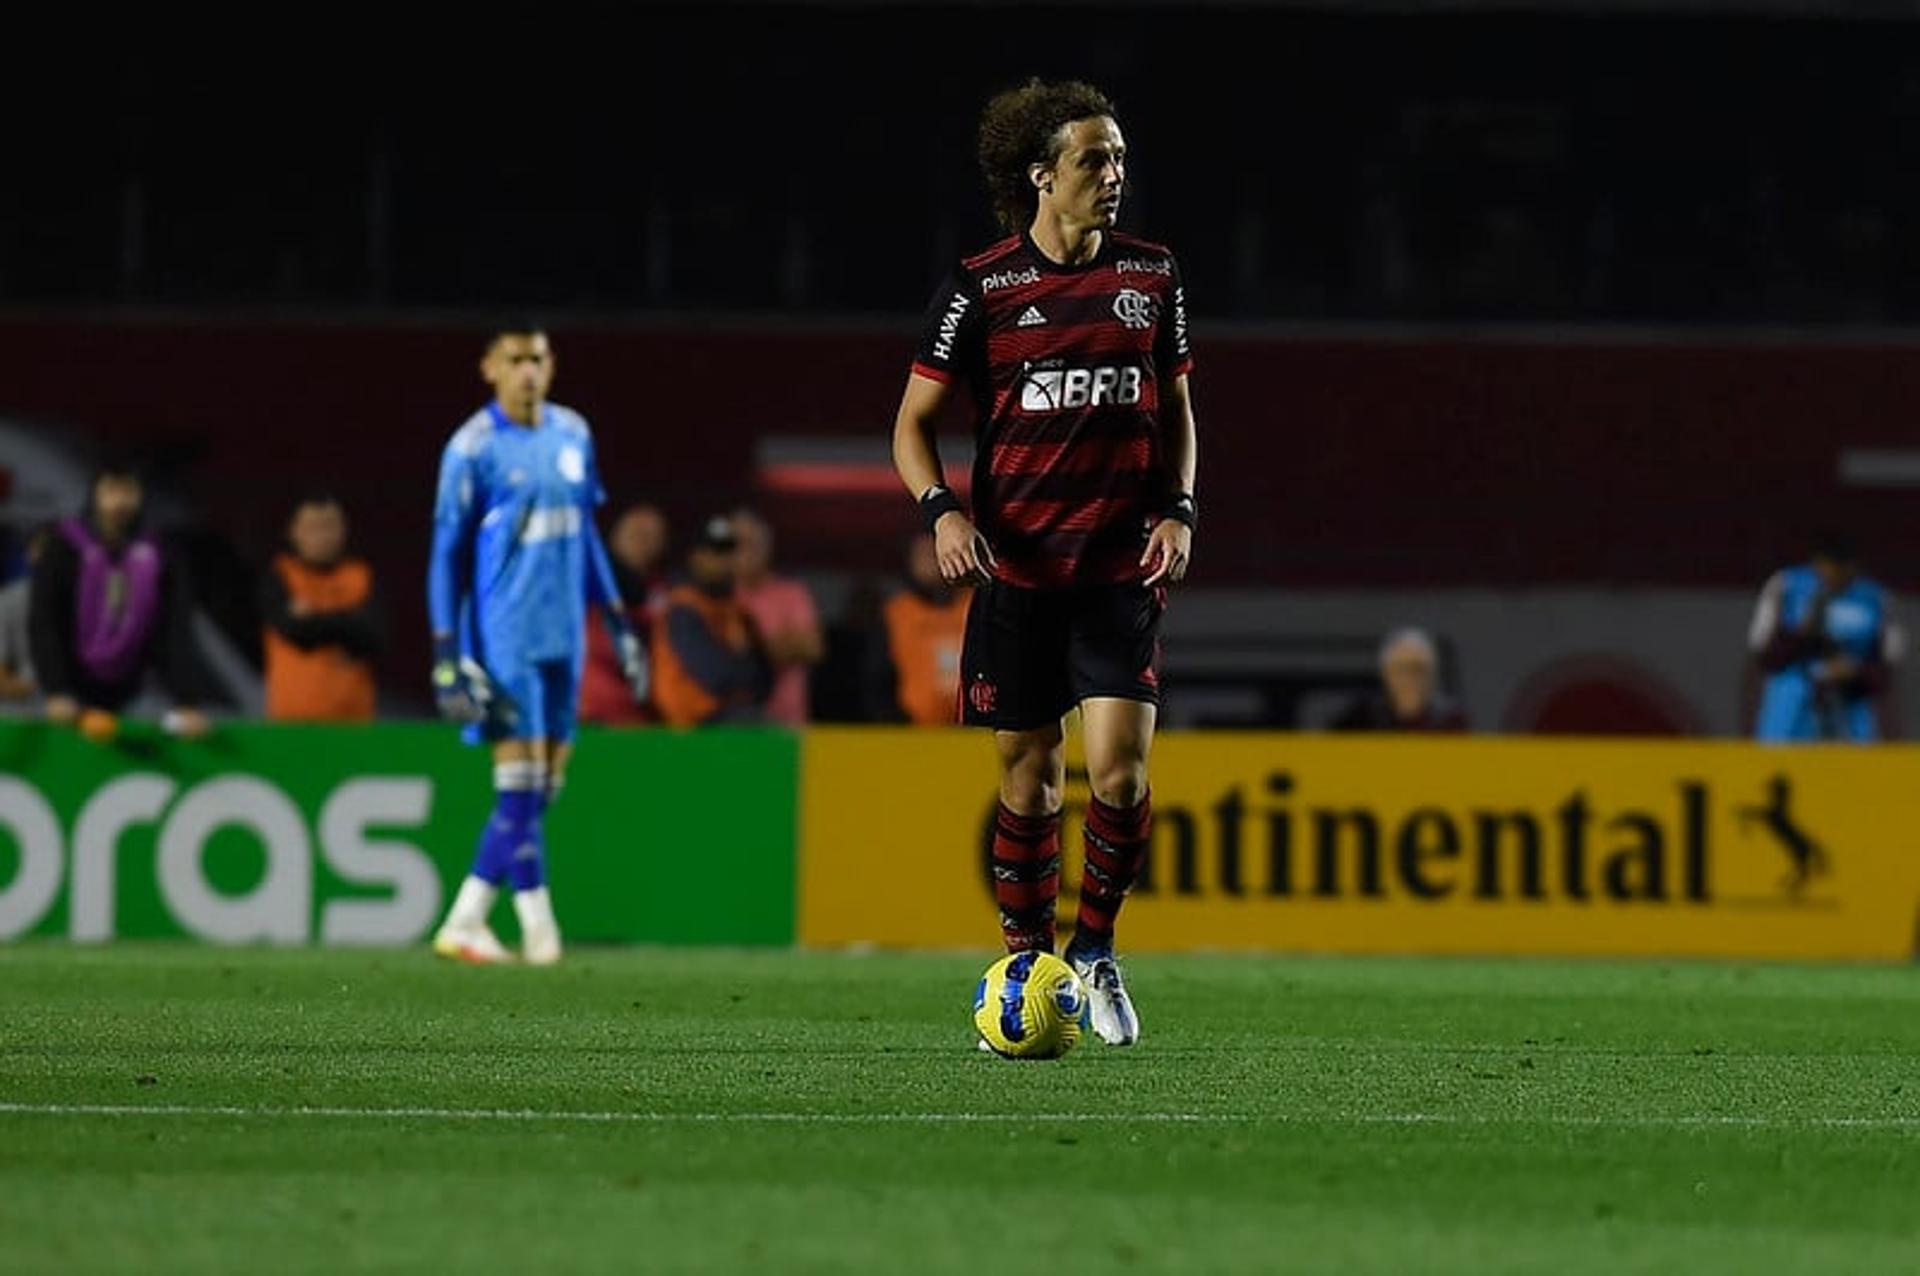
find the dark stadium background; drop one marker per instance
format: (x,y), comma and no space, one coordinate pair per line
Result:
(1580,295)
(1550,327)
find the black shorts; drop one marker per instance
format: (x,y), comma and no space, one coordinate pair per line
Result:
(1033,654)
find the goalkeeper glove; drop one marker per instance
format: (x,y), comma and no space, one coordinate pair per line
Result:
(461,688)
(633,663)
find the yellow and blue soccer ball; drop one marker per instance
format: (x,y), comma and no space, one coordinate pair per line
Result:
(1030,1006)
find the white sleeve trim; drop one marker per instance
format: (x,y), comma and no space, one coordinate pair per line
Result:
(1766,615)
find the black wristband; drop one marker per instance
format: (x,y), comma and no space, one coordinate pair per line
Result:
(938,502)
(1183,509)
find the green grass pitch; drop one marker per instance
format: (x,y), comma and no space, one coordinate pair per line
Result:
(182,1109)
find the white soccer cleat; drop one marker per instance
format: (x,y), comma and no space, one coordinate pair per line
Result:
(540,933)
(474,945)
(1108,1005)
(541,949)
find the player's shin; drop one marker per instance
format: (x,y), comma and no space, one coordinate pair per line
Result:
(1026,878)
(1116,845)
(518,792)
(527,859)
(519,789)
(527,874)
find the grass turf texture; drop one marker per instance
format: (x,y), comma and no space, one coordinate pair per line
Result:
(1299,1114)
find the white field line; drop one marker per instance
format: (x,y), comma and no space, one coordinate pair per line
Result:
(531,1116)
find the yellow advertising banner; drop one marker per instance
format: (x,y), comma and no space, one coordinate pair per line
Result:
(1399,845)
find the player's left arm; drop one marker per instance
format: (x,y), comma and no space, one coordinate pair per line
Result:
(603,588)
(1170,545)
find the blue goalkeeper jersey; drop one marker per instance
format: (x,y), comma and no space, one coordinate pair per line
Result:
(516,556)
(1793,705)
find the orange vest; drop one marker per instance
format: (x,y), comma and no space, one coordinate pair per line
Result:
(682,701)
(325,684)
(924,640)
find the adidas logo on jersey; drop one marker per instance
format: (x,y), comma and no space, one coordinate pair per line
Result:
(1030,317)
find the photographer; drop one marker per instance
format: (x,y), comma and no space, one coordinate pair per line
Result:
(1824,648)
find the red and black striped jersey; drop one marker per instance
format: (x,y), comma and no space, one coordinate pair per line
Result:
(1065,365)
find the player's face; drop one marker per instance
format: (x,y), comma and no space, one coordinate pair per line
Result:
(116,504)
(1835,574)
(318,533)
(1085,184)
(1409,675)
(519,367)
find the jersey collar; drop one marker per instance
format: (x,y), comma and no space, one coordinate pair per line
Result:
(501,421)
(1053,267)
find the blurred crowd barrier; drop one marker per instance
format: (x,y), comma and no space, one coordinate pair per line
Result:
(875,836)
(1404,845)
(1585,521)
(291,835)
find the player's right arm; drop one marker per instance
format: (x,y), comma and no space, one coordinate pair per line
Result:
(952,349)
(456,516)
(1775,644)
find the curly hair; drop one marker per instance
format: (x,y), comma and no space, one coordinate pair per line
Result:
(1022,127)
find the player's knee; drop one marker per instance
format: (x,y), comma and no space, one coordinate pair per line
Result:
(1120,784)
(1032,798)
(1034,784)
(521,775)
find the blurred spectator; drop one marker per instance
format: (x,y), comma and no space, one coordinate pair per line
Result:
(16,644)
(783,610)
(841,688)
(1409,697)
(323,622)
(1824,650)
(108,603)
(708,662)
(916,656)
(638,547)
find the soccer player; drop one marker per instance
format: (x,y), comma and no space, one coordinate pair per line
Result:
(1068,340)
(1822,640)
(516,558)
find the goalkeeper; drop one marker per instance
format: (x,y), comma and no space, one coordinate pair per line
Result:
(516,558)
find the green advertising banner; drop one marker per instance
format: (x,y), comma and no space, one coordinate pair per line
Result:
(358,835)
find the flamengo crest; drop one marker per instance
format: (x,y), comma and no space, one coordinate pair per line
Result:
(1135,309)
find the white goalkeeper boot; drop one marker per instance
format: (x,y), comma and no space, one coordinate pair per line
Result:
(540,934)
(465,935)
(1108,1005)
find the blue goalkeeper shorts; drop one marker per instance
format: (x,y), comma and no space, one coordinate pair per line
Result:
(539,701)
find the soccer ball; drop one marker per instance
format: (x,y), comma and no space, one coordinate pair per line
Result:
(1030,1006)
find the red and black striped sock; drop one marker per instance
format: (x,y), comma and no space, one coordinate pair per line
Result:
(1026,878)
(1116,848)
